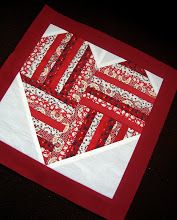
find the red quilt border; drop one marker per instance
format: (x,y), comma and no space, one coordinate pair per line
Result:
(117,207)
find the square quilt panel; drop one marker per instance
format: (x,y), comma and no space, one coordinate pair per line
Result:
(81,112)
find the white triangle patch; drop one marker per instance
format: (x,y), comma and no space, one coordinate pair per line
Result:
(110,59)
(103,57)
(53,30)
(101,169)
(16,126)
(97,52)
(155,81)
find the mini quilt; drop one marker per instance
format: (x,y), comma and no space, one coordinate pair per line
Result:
(78,109)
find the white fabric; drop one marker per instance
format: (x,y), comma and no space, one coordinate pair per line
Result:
(53,30)
(101,169)
(155,80)
(103,57)
(16,126)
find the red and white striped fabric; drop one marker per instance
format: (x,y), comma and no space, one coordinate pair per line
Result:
(83,97)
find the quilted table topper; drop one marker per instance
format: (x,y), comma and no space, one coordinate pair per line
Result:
(81,112)
(73,99)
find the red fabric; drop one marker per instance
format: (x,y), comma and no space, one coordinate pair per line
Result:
(121,133)
(125,87)
(97,133)
(47,56)
(55,124)
(116,103)
(108,112)
(133,66)
(62,69)
(117,207)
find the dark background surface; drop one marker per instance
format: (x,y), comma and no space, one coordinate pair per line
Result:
(148,27)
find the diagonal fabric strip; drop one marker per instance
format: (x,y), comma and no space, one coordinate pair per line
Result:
(125,87)
(69,56)
(53,123)
(47,56)
(121,133)
(76,72)
(81,134)
(117,103)
(105,133)
(97,133)
(109,113)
